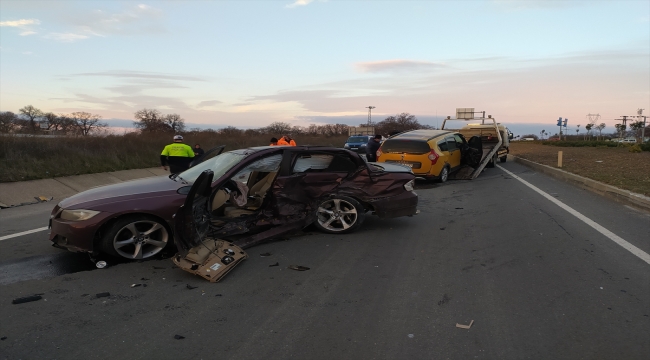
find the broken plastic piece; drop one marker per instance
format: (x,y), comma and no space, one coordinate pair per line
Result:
(158,267)
(465,326)
(179,337)
(442,228)
(26,299)
(104,294)
(298,267)
(276,264)
(136,285)
(190,286)
(265,254)
(100,264)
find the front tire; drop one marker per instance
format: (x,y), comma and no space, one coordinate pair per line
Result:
(136,237)
(503,159)
(339,215)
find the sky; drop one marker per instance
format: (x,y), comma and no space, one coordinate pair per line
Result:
(250,63)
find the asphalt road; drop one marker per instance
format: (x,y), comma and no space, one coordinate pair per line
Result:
(538,282)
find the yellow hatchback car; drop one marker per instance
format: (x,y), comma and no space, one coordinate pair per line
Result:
(432,154)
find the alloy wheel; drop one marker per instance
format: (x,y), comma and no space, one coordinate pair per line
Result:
(337,215)
(140,239)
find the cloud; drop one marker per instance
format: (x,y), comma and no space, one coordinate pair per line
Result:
(134,20)
(540,4)
(65,37)
(20,23)
(299,3)
(128,74)
(396,65)
(23,24)
(208,103)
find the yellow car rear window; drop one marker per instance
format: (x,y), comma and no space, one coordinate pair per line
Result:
(405,146)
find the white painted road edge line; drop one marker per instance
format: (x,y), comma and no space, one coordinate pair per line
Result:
(6,237)
(615,238)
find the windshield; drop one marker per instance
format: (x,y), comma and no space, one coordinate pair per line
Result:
(219,165)
(358,139)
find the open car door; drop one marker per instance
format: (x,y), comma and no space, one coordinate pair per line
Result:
(208,154)
(192,220)
(199,254)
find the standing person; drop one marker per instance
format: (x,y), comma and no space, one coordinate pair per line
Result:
(372,147)
(274,142)
(288,140)
(283,141)
(177,155)
(197,150)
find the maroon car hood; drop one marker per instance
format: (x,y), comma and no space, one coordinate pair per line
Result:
(130,189)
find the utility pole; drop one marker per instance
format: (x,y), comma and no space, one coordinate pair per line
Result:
(370,114)
(639,112)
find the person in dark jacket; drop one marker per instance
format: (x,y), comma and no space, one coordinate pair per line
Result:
(197,150)
(372,147)
(177,155)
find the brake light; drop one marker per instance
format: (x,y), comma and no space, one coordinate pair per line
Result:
(433,156)
(378,153)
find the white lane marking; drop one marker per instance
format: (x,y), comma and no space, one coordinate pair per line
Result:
(6,237)
(615,238)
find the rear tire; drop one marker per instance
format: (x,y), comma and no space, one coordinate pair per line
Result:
(503,158)
(444,175)
(339,215)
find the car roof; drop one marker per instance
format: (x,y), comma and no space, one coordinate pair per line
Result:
(421,134)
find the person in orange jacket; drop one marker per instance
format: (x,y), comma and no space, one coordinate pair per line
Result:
(283,142)
(286,140)
(290,140)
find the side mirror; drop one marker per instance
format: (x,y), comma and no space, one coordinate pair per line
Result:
(511,136)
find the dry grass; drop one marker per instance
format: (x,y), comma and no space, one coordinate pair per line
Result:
(614,166)
(29,158)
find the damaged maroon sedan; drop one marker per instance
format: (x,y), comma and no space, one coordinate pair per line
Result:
(244,196)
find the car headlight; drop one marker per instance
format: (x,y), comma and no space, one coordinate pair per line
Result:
(409,185)
(363,145)
(78,215)
(346,146)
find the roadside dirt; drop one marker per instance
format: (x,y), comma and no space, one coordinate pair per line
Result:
(614,166)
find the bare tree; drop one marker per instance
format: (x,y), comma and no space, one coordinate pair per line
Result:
(86,123)
(278,128)
(398,123)
(174,123)
(7,122)
(230,131)
(32,114)
(149,120)
(59,123)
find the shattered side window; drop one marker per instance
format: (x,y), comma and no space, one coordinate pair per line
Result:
(312,162)
(267,164)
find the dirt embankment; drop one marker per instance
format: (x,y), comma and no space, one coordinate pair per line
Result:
(614,166)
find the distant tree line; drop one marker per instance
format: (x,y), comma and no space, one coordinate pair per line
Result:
(31,120)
